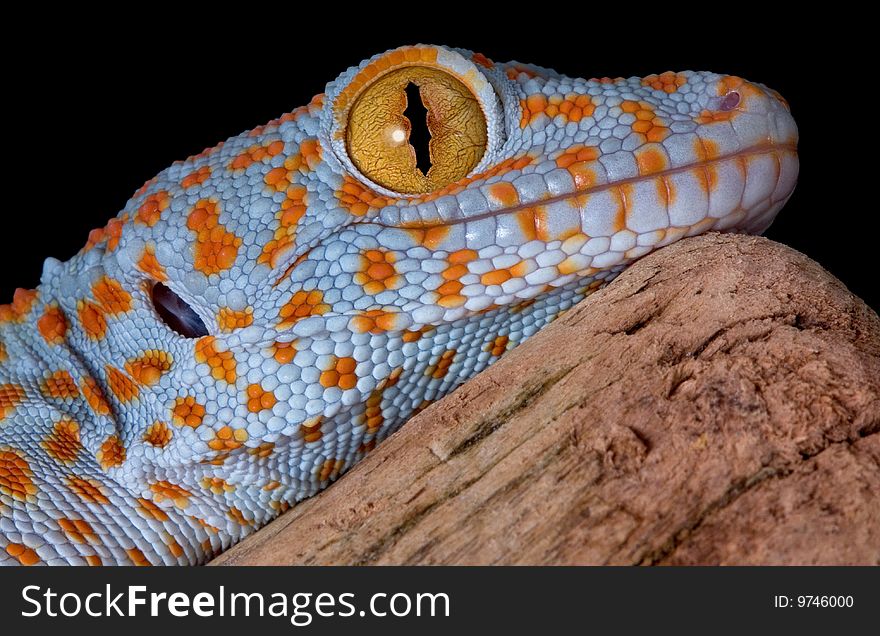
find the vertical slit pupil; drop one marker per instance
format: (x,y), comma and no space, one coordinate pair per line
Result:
(419,135)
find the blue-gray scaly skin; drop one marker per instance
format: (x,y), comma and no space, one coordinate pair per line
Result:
(329,304)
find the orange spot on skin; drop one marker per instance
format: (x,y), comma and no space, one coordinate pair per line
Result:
(173,546)
(23,554)
(22,302)
(207,526)
(95,397)
(60,386)
(284,352)
(462,256)
(377,272)
(120,384)
(504,194)
(647,122)
(111,453)
(623,194)
(570,108)
(495,277)
(222,363)
(52,325)
(579,161)
(158,435)
(16,476)
(498,345)
(149,366)
(259,399)
(292,210)
(196,177)
(215,249)
(150,211)
(77,530)
(373,418)
(187,412)
(570,265)
(707,177)
(341,373)
(448,292)
(706,150)
(111,296)
(150,265)
(711,116)
(357,198)
(151,510)
(302,305)
(164,490)
(374,321)
(137,557)
(311,152)
(330,469)
(238,516)
(277,179)
(89,490)
(441,368)
(415,335)
(111,233)
(263,450)
(430,237)
(230,319)
(650,159)
(311,429)
(667,82)
(533,223)
(216,485)
(482,60)
(257,153)
(11,396)
(91,317)
(515,70)
(228,438)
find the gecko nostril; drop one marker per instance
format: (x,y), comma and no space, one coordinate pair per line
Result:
(175,313)
(730,101)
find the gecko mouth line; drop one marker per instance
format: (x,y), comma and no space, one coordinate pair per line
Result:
(763,149)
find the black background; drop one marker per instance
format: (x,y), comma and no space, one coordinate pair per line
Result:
(93,113)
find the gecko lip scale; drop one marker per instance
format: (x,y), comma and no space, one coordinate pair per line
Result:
(763,149)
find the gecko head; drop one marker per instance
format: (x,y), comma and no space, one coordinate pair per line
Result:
(445,138)
(265,311)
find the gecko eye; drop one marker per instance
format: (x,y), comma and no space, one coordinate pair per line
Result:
(416,129)
(176,313)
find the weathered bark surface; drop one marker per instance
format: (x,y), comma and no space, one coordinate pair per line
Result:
(718,403)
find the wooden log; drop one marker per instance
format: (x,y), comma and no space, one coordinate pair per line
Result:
(719,403)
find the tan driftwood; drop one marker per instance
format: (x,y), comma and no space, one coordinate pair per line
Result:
(718,403)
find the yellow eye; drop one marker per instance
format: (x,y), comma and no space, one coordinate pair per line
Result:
(380,136)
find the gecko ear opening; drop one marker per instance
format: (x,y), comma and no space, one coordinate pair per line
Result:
(176,314)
